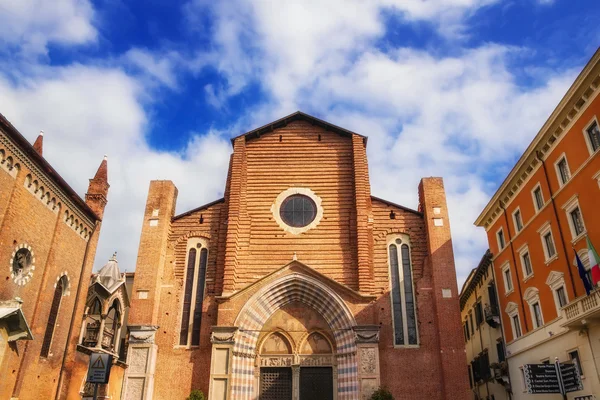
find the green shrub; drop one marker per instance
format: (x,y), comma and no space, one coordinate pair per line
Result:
(382,394)
(196,395)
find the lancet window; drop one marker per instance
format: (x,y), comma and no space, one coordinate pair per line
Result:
(61,286)
(402,292)
(193,296)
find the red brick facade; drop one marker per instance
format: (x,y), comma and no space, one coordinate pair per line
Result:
(336,269)
(44,221)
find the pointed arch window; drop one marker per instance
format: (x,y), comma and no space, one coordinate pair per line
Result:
(92,323)
(193,296)
(111,326)
(402,293)
(61,286)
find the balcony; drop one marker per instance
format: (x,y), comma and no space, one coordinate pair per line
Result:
(582,310)
(492,316)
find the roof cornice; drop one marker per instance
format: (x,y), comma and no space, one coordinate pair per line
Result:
(570,107)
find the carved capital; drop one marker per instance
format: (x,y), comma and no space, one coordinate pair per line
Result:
(223,334)
(142,334)
(366,333)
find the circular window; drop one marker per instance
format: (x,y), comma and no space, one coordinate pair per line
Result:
(22,264)
(22,261)
(298,210)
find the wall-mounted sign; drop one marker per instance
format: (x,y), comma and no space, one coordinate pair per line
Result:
(99,368)
(552,378)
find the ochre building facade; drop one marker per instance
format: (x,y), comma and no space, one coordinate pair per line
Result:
(542,214)
(298,283)
(48,238)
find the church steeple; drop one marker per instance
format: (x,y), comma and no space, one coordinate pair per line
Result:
(96,196)
(39,143)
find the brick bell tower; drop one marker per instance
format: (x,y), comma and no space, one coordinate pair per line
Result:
(98,189)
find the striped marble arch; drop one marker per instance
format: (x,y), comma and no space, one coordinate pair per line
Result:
(256,312)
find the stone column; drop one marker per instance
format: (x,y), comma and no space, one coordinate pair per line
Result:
(141,361)
(222,339)
(101,331)
(295,382)
(367,343)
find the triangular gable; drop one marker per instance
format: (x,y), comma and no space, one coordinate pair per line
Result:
(297,116)
(298,267)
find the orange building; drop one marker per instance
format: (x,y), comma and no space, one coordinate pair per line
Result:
(538,218)
(48,238)
(298,283)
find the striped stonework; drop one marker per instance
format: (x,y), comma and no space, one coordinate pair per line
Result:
(294,288)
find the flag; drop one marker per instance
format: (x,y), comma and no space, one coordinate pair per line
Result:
(583,275)
(593,256)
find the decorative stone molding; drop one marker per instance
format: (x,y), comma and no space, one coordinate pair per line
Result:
(289,192)
(366,333)
(223,334)
(40,175)
(142,334)
(67,286)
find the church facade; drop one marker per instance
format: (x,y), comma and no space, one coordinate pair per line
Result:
(298,283)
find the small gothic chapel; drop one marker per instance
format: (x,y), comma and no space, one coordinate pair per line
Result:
(298,283)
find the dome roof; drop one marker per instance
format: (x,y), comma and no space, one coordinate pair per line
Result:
(110,275)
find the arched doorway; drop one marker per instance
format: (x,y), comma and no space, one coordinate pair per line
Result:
(296,357)
(328,316)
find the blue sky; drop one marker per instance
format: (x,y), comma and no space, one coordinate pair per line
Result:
(454,88)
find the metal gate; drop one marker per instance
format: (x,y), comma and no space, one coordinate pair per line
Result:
(316,383)
(275,384)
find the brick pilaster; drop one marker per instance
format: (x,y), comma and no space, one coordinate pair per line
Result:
(364,215)
(160,208)
(432,202)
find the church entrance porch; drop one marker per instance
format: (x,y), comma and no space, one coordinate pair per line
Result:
(298,334)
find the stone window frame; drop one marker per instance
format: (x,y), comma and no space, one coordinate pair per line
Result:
(555,281)
(522,251)
(569,207)
(512,310)
(500,239)
(532,297)
(197,243)
(514,213)
(535,204)
(405,240)
(62,284)
(543,231)
(586,136)
(508,283)
(275,209)
(561,157)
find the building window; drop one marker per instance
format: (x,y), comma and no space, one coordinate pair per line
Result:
(193,294)
(526,262)
(470,376)
(53,316)
(403,299)
(537,315)
(532,297)
(562,170)
(547,241)
(112,325)
(92,323)
(500,350)
(518,220)
(574,356)
(466,331)
(516,326)
(508,286)
(538,198)
(471,321)
(592,136)
(574,217)
(556,282)
(298,210)
(561,297)
(500,236)
(478,314)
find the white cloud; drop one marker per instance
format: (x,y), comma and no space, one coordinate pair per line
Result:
(87,112)
(31,24)
(156,66)
(456,116)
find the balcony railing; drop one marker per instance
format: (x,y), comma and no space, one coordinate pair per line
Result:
(586,307)
(492,316)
